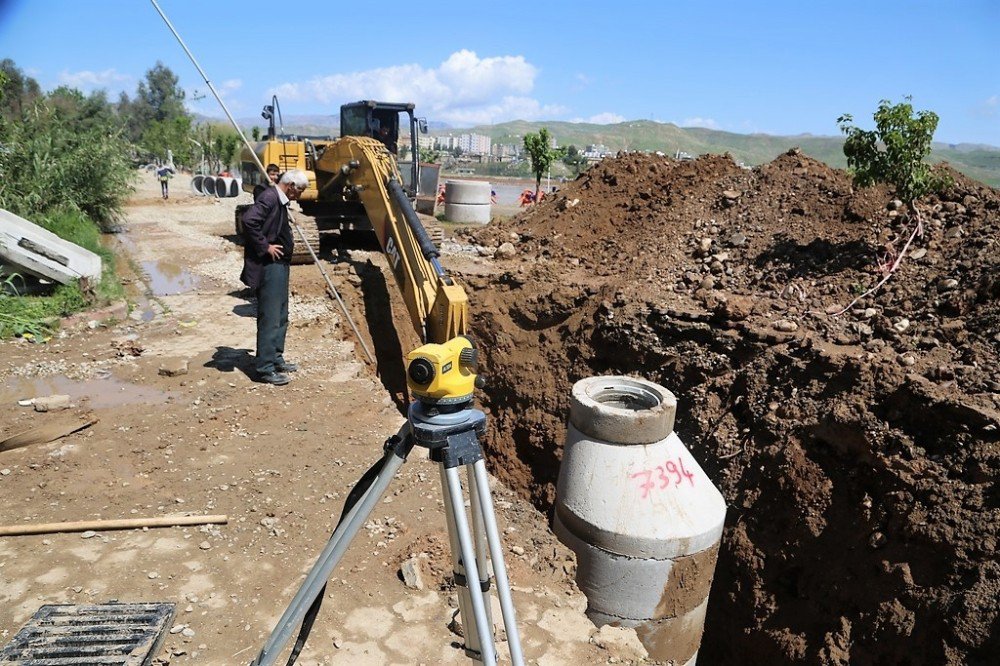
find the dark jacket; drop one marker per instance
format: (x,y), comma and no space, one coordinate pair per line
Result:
(264,223)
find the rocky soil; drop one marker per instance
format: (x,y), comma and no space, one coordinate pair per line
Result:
(182,428)
(859,452)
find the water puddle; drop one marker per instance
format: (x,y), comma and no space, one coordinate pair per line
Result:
(100,393)
(167,278)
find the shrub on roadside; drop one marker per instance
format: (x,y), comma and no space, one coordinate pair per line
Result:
(63,159)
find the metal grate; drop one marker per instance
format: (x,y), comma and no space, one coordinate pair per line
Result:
(113,633)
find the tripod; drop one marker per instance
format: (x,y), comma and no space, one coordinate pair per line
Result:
(452,435)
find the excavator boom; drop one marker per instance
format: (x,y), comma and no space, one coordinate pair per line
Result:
(362,167)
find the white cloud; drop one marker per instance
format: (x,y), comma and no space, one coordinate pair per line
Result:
(464,89)
(707,123)
(991,105)
(87,81)
(230,85)
(606,118)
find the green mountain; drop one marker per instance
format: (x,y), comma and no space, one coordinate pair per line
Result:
(976,161)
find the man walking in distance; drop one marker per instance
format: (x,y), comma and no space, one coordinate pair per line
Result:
(267,253)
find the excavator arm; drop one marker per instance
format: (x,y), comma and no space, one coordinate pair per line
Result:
(361,167)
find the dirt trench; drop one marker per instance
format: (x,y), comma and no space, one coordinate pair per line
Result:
(859,454)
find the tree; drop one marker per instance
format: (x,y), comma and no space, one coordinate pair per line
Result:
(430,155)
(542,154)
(156,119)
(893,153)
(17,91)
(574,160)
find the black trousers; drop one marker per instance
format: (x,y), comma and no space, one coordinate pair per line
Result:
(272,317)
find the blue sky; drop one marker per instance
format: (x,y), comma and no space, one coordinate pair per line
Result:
(776,67)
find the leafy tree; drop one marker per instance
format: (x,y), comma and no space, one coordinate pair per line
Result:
(220,142)
(156,119)
(255,133)
(430,155)
(541,154)
(894,153)
(574,160)
(18,93)
(160,94)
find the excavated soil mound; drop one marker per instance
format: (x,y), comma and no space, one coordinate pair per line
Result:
(859,453)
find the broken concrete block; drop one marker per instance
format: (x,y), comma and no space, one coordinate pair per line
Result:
(52,403)
(31,249)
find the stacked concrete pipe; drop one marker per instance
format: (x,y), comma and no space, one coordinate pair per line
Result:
(467,201)
(643,518)
(196,182)
(215,186)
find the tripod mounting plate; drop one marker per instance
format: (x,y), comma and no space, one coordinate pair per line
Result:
(453,438)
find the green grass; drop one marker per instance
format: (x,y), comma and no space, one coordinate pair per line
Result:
(37,315)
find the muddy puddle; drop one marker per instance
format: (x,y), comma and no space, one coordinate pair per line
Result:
(99,393)
(166,278)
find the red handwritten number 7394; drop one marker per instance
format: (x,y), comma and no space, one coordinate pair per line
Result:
(671,473)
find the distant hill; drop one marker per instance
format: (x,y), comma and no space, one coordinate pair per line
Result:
(303,124)
(977,161)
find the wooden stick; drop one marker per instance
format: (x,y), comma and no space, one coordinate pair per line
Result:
(43,434)
(123,524)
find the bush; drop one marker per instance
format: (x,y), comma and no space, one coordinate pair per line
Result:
(49,164)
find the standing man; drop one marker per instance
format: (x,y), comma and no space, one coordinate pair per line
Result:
(267,253)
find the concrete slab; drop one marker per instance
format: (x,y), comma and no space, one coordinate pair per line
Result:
(26,247)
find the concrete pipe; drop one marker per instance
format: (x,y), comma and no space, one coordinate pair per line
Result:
(466,192)
(467,213)
(223,186)
(235,188)
(196,183)
(643,518)
(208,186)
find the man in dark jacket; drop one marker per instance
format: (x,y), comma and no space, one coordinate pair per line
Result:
(267,253)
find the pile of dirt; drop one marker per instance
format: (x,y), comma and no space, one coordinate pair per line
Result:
(859,453)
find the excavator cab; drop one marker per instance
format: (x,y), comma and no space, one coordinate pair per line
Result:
(382,121)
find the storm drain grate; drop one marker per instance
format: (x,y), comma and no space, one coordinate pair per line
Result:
(58,635)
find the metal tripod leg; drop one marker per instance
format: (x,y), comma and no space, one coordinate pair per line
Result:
(481,487)
(334,551)
(476,623)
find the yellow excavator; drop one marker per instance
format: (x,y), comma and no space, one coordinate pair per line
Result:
(355,183)
(330,203)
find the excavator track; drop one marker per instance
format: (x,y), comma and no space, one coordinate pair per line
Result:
(310,229)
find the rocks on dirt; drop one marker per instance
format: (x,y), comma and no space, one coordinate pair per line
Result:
(174,367)
(412,571)
(51,403)
(620,642)
(651,233)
